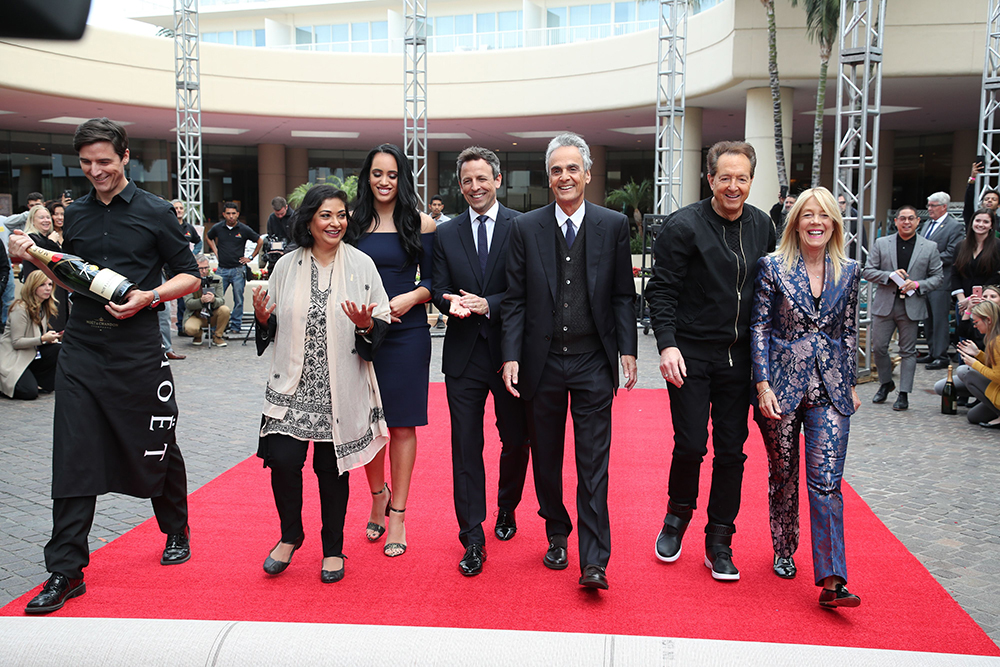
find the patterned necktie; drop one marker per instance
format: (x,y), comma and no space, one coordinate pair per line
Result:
(484,250)
(570,233)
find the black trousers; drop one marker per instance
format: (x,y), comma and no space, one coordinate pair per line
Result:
(40,373)
(467,404)
(286,456)
(68,551)
(723,392)
(582,383)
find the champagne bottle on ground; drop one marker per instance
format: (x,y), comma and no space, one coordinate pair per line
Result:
(949,405)
(84,278)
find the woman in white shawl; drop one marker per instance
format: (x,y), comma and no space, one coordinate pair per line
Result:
(326,311)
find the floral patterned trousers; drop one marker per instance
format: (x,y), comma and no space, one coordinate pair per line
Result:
(826,433)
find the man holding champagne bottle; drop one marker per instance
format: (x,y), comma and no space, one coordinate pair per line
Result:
(112,351)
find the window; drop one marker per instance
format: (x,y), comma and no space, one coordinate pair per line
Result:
(258,37)
(380,36)
(303,36)
(359,37)
(226,38)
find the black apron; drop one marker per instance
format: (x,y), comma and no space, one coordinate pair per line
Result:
(115,411)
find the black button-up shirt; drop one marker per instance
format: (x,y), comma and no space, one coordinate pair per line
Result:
(135,235)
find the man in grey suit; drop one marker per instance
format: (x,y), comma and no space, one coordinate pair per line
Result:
(947,233)
(899,306)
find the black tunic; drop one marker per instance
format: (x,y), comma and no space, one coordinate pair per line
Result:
(115,410)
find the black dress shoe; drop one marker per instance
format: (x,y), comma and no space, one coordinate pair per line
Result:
(594,576)
(472,562)
(784,566)
(272,566)
(555,557)
(924,358)
(838,597)
(883,392)
(333,576)
(902,402)
(54,594)
(178,549)
(506,525)
(937,365)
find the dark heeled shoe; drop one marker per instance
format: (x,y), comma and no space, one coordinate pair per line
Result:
(272,566)
(784,566)
(393,549)
(373,531)
(333,576)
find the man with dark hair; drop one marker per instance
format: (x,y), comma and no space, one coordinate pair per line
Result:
(35,199)
(228,241)
(279,231)
(115,410)
(470,278)
(904,267)
(437,209)
(705,262)
(568,317)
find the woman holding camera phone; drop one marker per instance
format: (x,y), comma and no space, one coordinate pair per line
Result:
(804,349)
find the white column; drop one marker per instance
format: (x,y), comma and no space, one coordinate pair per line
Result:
(760,134)
(693,166)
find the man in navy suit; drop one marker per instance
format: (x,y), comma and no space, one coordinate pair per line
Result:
(470,257)
(568,314)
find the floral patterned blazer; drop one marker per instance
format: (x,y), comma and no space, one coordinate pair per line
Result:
(789,335)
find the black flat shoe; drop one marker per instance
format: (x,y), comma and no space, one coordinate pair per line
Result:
(333,576)
(555,556)
(902,402)
(506,525)
(594,576)
(472,562)
(989,425)
(883,392)
(274,567)
(784,566)
(178,548)
(838,597)
(54,594)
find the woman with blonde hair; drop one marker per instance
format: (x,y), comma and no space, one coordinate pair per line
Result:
(28,350)
(980,372)
(804,349)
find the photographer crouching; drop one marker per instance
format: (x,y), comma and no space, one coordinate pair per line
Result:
(206,304)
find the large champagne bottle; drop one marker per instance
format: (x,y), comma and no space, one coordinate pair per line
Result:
(949,406)
(84,278)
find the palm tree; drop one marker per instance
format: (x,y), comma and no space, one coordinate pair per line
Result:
(772,71)
(637,197)
(822,25)
(348,185)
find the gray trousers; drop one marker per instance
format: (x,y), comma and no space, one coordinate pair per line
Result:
(936,324)
(883,327)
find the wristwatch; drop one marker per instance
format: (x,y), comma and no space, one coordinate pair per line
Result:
(156,300)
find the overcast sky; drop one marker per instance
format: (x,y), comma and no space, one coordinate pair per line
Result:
(111,14)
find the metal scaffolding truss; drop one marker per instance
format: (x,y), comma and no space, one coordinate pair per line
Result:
(989,143)
(188,74)
(415,91)
(859,102)
(670,101)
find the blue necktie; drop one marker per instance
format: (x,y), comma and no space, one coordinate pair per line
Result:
(484,249)
(570,233)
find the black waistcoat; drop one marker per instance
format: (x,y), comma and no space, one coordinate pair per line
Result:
(575,331)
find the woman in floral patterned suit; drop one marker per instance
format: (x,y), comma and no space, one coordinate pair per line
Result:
(804,347)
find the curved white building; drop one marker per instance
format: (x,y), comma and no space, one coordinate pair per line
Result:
(317,84)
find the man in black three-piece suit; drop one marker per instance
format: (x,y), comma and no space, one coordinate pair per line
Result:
(470,257)
(568,313)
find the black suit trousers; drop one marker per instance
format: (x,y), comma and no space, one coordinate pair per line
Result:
(583,383)
(722,391)
(68,551)
(467,404)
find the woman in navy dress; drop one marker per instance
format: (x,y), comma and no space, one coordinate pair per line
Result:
(400,240)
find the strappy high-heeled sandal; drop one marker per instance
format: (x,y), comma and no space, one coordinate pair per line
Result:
(372,527)
(393,549)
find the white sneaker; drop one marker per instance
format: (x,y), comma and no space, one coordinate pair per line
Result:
(196,342)
(220,343)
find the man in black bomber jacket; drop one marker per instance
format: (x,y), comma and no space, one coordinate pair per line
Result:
(700,297)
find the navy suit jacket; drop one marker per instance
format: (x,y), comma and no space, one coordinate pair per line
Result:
(529,304)
(456,267)
(789,336)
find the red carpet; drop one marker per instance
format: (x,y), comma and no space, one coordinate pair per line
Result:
(234,525)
